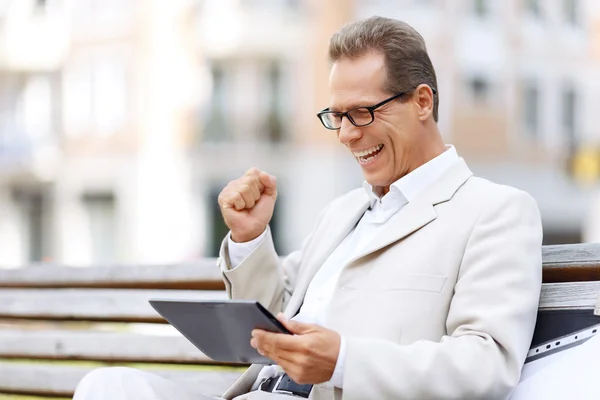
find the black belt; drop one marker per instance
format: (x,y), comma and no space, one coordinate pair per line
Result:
(283,384)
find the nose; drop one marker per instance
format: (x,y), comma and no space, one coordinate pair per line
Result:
(348,132)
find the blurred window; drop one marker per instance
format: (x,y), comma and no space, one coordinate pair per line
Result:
(109,95)
(481,8)
(95,95)
(102,18)
(10,86)
(217,128)
(34,216)
(27,113)
(249,102)
(217,228)
(533,7)
(34,109)
(569,117)
(101,213)
(274,116)
(571,11)
(531,104)
(479,89)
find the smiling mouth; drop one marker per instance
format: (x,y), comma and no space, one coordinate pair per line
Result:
(366,156)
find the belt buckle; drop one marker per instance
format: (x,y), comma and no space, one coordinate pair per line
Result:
(279,391)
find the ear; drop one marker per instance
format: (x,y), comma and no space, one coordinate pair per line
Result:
(423,97)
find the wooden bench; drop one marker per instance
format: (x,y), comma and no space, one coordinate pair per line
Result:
(57,323)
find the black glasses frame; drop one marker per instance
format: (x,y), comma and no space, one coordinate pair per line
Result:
(371,110)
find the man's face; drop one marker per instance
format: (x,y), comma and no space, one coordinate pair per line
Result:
(391,138)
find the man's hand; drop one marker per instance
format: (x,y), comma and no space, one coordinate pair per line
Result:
(247,204)
(308,357)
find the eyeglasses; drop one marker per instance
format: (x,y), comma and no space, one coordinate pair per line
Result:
(358,116)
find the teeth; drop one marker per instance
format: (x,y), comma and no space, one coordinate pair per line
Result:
(368,151)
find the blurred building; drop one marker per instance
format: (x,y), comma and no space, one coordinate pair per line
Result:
(91,136)
(121,120)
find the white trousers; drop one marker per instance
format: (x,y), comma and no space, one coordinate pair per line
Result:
(123,383)
(571,374)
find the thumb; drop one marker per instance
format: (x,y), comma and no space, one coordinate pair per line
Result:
(296,327)
(270,184)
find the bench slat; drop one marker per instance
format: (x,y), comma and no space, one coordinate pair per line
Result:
(569,295)
(571,263)
(562,263)
(126,305)
(110,305)
(203,275)
(100,346)
(59,380)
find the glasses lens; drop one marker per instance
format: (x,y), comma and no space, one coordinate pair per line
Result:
(360,116)
(331,120)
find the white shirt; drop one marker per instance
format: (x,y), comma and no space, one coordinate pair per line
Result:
(322,287)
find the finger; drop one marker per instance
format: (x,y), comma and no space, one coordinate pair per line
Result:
(255,186)
(285,359)
(273,352)
(270,183)
(237,201)
(296,327)
(224,196)
(256,189)
(272,342)
(253,173)
(297,366)
(246,193)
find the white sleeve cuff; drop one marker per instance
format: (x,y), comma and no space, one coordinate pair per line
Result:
(238,252)
(337,379)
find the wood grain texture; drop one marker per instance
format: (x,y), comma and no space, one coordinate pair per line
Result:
(126,305)
(569,295)
(571,262)
(53,380)
(107,346)
(561,263)
(110,305)
(203,275)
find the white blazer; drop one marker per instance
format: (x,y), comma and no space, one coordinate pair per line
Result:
(441,305)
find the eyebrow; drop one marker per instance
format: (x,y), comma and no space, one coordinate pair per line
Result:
(354,105)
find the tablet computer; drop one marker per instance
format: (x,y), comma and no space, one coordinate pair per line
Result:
(221,329)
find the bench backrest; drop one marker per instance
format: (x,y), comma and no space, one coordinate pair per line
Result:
(67,319)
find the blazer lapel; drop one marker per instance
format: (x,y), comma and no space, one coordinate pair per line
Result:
(420,211)
(338,225)
(409,219)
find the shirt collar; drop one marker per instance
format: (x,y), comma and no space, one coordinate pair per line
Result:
(413,183)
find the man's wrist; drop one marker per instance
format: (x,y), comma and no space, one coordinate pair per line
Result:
(245,238)
(337,379)
(238,252)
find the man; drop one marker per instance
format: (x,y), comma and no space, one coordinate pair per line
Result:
(423,284)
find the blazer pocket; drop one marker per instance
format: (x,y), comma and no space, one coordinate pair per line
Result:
(412,282)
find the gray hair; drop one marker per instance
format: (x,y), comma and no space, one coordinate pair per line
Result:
(405,54)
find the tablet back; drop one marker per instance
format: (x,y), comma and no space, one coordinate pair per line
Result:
(221,329)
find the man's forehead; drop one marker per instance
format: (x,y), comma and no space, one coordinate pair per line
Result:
(357,81)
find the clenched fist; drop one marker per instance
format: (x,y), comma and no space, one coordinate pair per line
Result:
(247,204)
